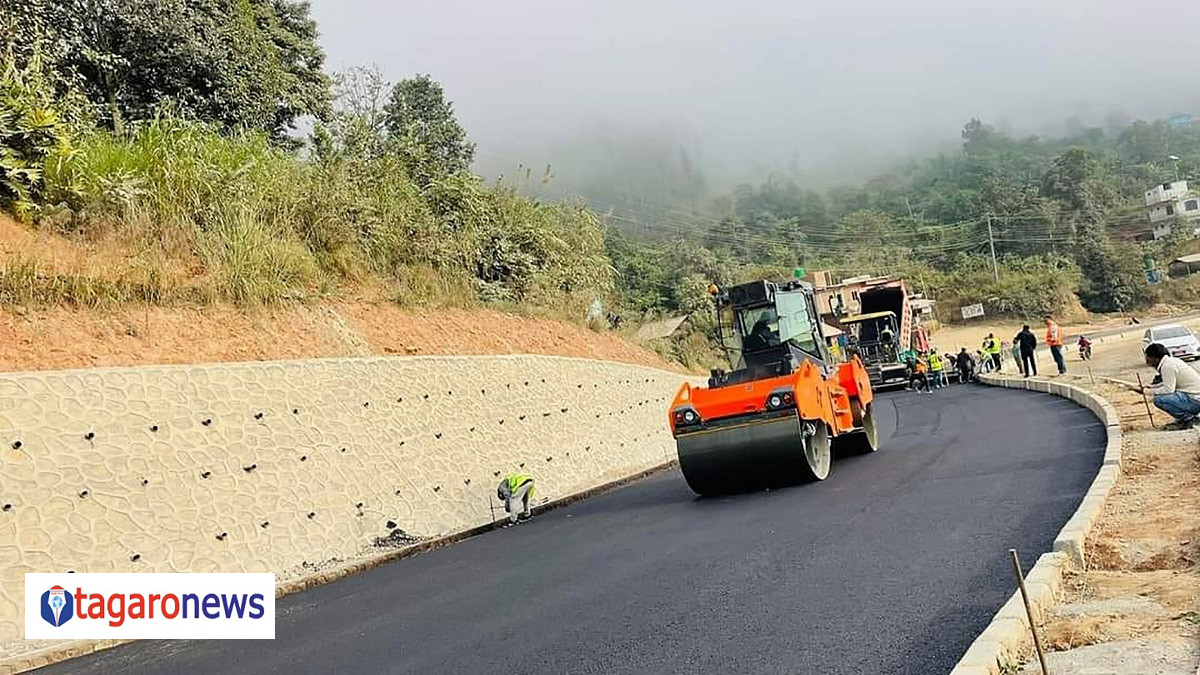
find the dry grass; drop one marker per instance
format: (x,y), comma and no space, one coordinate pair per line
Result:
(1061,635)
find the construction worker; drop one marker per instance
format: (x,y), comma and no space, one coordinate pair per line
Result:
(1054,339)
(917,373)
(937,367)
(887,341)
(1026,342)
(1176,389)
(966,365)
(991,348)
(516,489)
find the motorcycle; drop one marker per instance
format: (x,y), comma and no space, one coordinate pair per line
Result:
(1085,351)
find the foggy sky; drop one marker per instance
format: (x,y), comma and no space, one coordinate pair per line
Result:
(753,85)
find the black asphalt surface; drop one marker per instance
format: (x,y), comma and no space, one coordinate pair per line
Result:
(892,565)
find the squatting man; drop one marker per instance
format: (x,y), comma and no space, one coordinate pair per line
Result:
(1176,389)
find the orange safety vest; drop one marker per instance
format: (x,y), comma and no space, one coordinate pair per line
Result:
(1053,335)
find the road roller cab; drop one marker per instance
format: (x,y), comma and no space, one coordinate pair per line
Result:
(774,418)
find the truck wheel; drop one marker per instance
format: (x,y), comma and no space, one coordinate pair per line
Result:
(866,439)
(818,456)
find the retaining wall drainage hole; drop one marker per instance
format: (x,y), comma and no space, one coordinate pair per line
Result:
(221,537)
(136,557)
(89,435)
(16,445)
(206,422)
(83,494)
(154,429)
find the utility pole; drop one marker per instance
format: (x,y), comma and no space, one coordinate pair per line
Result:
(992,244)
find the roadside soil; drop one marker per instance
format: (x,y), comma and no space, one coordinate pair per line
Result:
(357,322)
(62,337)
(1135,608)
(953,337)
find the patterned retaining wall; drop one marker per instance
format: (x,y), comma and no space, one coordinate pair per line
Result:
(294,467)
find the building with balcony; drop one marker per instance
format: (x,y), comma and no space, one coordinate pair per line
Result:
(1169,202)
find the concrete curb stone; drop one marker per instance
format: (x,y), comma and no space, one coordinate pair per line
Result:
(1007,634)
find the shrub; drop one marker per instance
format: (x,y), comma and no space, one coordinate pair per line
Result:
(32,134)
(266,225)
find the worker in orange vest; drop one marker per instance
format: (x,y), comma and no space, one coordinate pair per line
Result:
(1054,338)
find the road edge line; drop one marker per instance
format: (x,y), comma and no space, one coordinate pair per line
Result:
(1007,635)
(41,659)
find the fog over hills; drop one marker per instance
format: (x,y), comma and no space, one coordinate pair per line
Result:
(613,94)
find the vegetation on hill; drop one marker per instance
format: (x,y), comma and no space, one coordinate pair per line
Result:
(170,126)
(195,166)
(1061,214)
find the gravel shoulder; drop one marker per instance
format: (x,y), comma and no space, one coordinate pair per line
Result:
(1135,608)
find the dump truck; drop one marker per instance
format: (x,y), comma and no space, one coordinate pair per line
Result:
(885,331)
(776,416)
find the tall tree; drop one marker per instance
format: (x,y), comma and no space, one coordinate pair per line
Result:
(251,64)
(421,121)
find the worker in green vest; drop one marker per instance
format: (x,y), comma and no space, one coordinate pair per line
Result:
(937,366)
(516,490)
(991,347)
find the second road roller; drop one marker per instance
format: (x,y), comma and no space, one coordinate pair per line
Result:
(776,416)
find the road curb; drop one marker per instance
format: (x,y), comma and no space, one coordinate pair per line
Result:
(998,647)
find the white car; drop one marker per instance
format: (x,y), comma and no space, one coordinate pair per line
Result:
(1178,340)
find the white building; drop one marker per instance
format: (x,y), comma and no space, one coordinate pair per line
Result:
(1169,200)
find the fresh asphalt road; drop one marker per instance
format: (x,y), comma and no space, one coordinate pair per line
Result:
(892,565)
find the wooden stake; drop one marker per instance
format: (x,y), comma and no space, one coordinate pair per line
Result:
(1037,641)
(1141,388)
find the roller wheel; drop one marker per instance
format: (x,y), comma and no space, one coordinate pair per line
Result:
(777,453)
(818,455)
(866,439)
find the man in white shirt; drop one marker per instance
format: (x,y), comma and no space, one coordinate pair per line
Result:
(1178,392)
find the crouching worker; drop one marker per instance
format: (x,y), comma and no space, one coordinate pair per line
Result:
(1176,390)
(516,490)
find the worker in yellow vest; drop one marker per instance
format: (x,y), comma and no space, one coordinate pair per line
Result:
(991,348)
(937,366)
(516,490)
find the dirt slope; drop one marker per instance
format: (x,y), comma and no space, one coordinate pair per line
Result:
(357,323)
